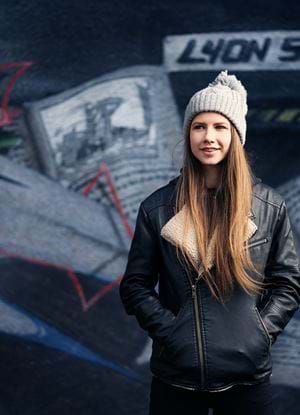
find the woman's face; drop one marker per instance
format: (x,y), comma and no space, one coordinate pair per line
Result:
(210,129)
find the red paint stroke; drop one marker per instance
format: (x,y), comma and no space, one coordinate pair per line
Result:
(99,294)
(7,116)
(85,304)
(114,194)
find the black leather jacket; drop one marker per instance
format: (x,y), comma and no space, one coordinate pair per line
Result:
(197,342)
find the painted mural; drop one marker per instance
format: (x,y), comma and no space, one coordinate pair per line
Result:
(92,101)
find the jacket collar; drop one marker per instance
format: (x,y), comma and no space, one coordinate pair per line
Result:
(172,231)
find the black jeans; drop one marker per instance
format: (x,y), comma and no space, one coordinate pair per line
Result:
(166,399)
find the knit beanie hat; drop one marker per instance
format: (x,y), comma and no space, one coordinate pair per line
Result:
(225,95)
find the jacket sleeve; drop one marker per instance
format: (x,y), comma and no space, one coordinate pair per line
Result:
(137,287)
(282,272)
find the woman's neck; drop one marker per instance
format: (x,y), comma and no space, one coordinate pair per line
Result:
(212,176)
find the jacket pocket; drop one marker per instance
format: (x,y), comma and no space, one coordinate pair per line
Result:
(263,326)
(178,348)
(172,329)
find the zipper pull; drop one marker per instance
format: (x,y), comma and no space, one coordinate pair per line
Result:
(198,277)
(193,290)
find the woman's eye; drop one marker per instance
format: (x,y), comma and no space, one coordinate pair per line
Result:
(201,126)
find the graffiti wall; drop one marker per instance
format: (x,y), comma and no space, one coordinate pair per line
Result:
(92,102)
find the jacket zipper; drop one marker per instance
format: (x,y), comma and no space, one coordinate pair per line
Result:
(198,326)
(261,241)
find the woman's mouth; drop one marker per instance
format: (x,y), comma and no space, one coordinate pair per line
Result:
(209,150)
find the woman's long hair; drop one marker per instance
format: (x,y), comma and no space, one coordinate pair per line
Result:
(226,215)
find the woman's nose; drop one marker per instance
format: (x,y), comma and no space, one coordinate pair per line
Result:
(209,134)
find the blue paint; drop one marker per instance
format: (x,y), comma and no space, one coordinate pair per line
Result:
(18,322)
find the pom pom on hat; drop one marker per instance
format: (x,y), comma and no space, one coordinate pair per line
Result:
(231,81)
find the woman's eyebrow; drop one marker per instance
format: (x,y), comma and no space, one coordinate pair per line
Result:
(216,123)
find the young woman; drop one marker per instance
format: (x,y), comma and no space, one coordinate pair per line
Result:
(219,243)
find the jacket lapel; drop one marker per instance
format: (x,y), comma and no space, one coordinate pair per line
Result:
(172,231)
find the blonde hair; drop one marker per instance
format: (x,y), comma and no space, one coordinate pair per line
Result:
(231,206)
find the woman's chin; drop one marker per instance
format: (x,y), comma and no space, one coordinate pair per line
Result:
(210,162)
